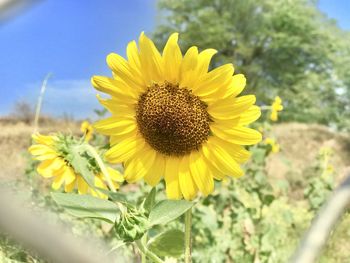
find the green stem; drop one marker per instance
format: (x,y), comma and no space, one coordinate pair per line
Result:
(143,256)
(188,245)
(147,252)
(265,107)
(102,167)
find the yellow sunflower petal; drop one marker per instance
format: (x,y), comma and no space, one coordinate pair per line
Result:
(132,53)
(249,116)
(69,175)
(57,182)
(83,187)
(238,135)
(187,185)
(115,139)
(125,149)
(42,152)
(201,173)
(44,139)
(238,152)
(115,87)
(99,183)
(155,174)
(171,178)
(204,59)
(222,159)
(69,187)
(188,68)
(216,80)
(125,72)
(115,175)
(40,149)
(172,58)
(49,166)
(117,107)
(231,108)
(151,60)
(236,86)
(140,164)
(116,125)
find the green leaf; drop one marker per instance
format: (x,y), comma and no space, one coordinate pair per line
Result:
(150,200)
(81,164)
(86,206)
(168,210)
(116,197)
(169,243)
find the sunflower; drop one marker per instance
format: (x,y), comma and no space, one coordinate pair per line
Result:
(55,163)
(172,118)
(87,129)
(275,108)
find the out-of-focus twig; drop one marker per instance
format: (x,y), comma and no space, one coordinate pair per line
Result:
(40,101)
(47,240)
(323,224)
(12,8)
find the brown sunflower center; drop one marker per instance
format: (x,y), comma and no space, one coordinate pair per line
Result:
(171,119)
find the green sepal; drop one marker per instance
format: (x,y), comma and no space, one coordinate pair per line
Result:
(150,200)
(132,224)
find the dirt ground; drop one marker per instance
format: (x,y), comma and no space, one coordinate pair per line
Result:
(300,144)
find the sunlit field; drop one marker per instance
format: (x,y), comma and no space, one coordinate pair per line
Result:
(207,131)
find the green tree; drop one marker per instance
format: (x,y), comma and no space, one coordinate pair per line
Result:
(284,47)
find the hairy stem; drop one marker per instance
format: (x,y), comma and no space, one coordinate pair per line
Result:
(143,256)
(147,252)
(102,167)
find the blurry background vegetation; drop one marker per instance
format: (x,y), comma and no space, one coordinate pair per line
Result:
(284,47)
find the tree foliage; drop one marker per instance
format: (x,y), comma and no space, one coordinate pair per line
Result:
(284,47)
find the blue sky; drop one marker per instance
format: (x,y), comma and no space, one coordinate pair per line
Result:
(71,40)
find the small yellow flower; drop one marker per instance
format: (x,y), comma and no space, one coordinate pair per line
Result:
(275,108)
(330,169)
(87,129)
(55,164)
(172,118)
(325,152)
(275,147)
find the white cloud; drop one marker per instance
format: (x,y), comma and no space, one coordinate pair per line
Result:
(74,97)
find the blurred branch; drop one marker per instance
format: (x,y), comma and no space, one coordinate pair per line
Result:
(11,8)
(50,242)
(40,101)
(316,237)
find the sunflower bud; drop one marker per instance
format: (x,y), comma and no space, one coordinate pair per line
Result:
(131,225)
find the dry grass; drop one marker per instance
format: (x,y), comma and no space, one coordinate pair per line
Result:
(15,138)
(300,144)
